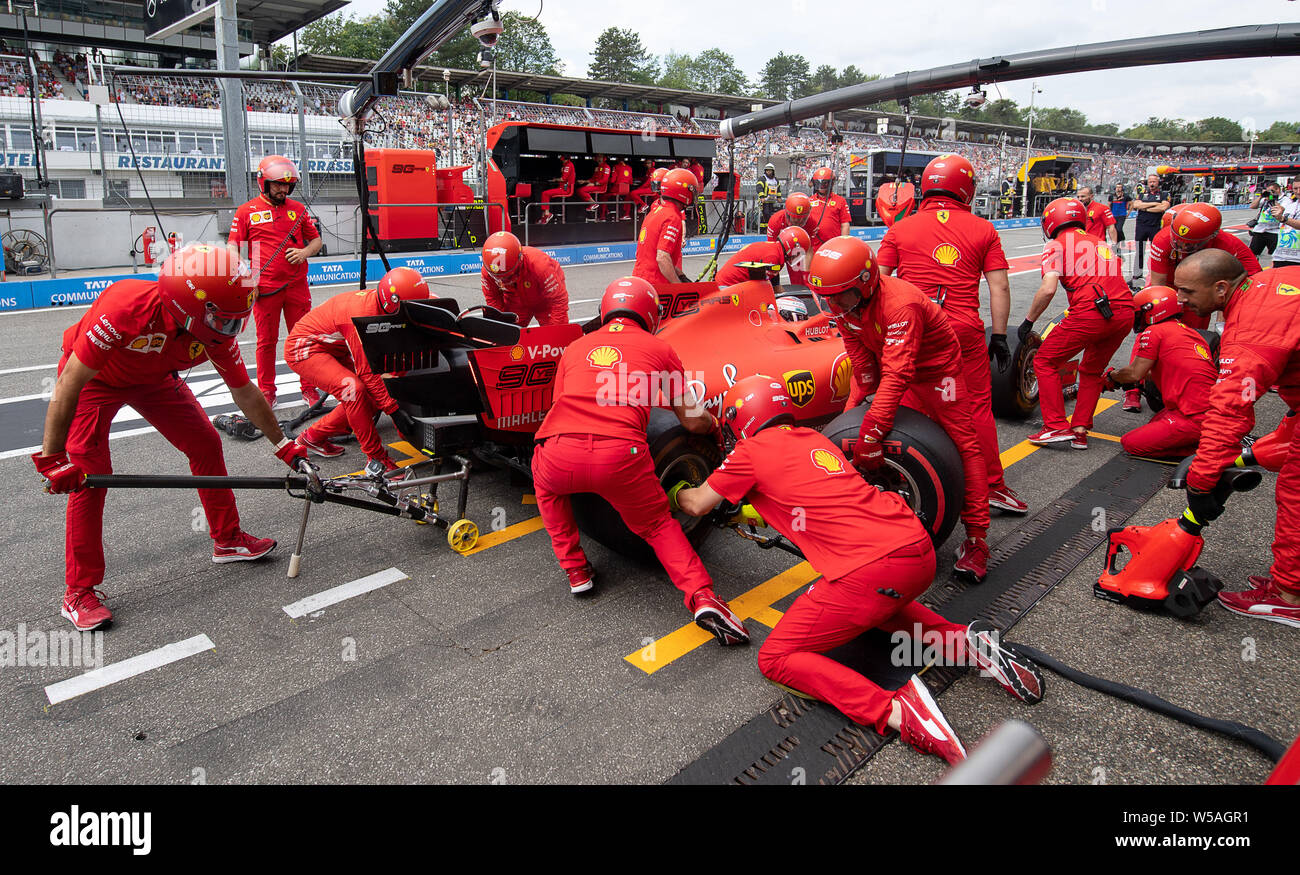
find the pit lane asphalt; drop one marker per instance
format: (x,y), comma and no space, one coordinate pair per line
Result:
(484,669)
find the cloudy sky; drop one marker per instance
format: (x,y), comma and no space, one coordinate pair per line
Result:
(891,37)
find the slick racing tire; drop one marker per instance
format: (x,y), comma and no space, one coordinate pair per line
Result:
(1015,390)
(678,455)
(922,465)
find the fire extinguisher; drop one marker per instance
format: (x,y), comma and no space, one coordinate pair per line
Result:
(146,244)
(173,240)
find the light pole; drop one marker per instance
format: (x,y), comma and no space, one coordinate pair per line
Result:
(1024,189)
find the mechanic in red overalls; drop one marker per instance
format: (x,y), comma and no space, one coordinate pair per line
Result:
(799,483)
(523,280)
(794,215)
(903,349)
(1099,317)
(568,176)
(791,249)
(828,214)
(598,184)
(620,186)
(324,347)
(278,237)
(1260,350)
(943,249)
(1099,221)
(659,245)
(594,440)
(127,350)
(1178,359)
(1195,227)
(649,187)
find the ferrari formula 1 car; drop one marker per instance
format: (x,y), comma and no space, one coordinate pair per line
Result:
(479,384)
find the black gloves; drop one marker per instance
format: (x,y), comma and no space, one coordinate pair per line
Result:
(999,350)
(1026,328)
(405,423)
(1205,507)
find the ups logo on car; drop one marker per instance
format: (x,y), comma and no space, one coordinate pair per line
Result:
(801,386)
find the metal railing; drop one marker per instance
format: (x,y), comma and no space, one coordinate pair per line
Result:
(445,212)
(615,204)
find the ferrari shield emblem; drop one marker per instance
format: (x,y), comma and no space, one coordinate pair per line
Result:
(942,216)
(1287,289)
(801,386)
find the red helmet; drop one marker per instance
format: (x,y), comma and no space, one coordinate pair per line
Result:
(751,405)
(631,298)
(680,185)
(398,285)
(209,291)
(502,256)
(843,263)
(795,243)
(949,174)
(1194,226)
(798,207)
(1169,215)
(822,180)
(276,168)
(1156,304)
(657,178)
(1062,213)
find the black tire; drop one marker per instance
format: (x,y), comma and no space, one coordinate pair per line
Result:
(1015,390)
(924,465)
(678,455)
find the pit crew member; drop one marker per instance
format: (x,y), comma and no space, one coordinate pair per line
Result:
(649,187)
(795,214)
(790,250)
(1100,221)
(828,215)
(567,180)
(523,280)
(597,184)
(1193,228)
(659,244)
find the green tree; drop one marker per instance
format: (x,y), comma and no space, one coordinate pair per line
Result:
(824,79)
(1060,119)
(619,56)
(1219,129)
(346,37)
(716,72)
(679,72)
(525,46)
(783,76)
(1281,132)
(853,76)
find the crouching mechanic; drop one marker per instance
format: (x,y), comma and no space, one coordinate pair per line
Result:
(523,280)
(798,482)
(127,350)
(594,440)
(1177,358)
(1099,317)
(790,250)
(1260,349)
(897,337)
(325,349)
(1194,227)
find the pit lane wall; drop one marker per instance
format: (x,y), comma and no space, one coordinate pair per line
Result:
(21,294)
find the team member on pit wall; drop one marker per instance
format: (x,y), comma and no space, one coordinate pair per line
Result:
(791,249)
(943,249)
(523,280)
(1193,228)
(1100,221)
(1098,318)
(325,348)
(649,187)
(904,350)
(598,184)
(594,440)
(828,215)
(278,237)
(1177,358)
(795,214)
(568,178)
(796,481)
(127,350)
(1260,349)
(659,245)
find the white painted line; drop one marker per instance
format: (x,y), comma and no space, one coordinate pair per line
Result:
(127,668)
(31,368)
(344,591)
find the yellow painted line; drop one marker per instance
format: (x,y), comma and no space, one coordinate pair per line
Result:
(1105,437)
(750,605)
(1025,448)
(412,456)
(509,533)
(769,617)
(529,499)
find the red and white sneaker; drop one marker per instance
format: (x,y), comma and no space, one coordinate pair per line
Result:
(244,548)
(318,446)
(1262,604)
(924,726)
(270,399)
(82,608)
(1017,675)
(1080,440)
(1133,401)
(972,563)
(581,579)
(1005,499)
(1051,436)
(1260,581)
(713,615)
(310,395)
(546,219)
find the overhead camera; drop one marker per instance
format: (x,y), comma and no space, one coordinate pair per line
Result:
(486,57)
(976,98)
(488,30)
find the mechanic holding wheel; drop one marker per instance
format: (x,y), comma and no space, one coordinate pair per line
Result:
(127,350)
(1260,349)
(904,350)
(943,249)
(1098,318)
(659,245)
(798,482)
(523,280)
(324,347)
(594,440)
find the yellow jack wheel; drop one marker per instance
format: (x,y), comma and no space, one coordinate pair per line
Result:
(462,535)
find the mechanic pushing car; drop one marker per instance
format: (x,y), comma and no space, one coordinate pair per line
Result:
(594,440)
(798,482)
(1098,318)
(523,280)
(791,249)
(277,236)
(1177,359)
(659,245)
(325,349)
(904,350)
(1260,349)
(828,214)
(127,350)
(1192,228)
(943,249)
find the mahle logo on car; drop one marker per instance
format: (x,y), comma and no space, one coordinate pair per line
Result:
(801,386)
